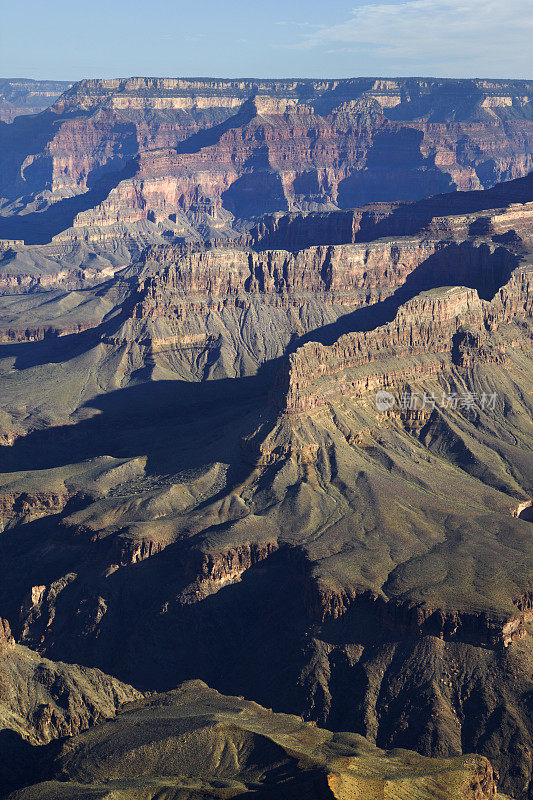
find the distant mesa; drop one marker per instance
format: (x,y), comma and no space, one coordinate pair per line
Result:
(205,287)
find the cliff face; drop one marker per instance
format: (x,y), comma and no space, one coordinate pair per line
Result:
(20,96)
(197,743)
(41,701)
(430,325)
(197,479)
(193,157)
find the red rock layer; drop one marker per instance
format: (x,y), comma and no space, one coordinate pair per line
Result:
(210,149)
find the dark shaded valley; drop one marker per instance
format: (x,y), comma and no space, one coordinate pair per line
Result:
(199,312)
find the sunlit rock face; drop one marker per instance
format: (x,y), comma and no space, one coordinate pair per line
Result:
(19,96)
(195,158)
(196,477)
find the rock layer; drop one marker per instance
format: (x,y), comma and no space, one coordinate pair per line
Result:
(190,158)
(198,482)
(25,96)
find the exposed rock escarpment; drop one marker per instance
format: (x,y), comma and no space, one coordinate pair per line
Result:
(6,638)
(362,566)
(429,324)
(41,700)
(145,158)
(197,743)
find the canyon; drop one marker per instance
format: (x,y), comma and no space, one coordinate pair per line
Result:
(117,163)
(196,743)
(207,287)
(20,96)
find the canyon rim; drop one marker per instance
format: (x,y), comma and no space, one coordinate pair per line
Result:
(266,443)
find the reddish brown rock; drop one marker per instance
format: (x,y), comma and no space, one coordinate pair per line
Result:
(191,156)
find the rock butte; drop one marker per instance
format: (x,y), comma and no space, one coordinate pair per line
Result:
(203,284)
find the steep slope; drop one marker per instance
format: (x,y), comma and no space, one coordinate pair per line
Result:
(142,159)
(193,743)
(41,700)
(272,530)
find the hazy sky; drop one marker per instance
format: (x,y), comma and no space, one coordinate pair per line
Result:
(68,39)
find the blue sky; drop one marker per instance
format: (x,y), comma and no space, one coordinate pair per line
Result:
(65,39)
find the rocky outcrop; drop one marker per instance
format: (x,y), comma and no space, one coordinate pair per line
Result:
(348,275)
(6,638)
(211,745)
(410,620)
(189,158)
(206,573)
(454,215)
(41,700)
(66,280)
(16,507)
(427,332)
(26,96)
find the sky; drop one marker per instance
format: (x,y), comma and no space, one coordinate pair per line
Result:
(69,40)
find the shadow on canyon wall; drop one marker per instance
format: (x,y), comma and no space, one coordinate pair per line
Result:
(465,264)
(54,349)
(405,219)
(26,134)
(257,192)
(163,420)
(455,265)
(395,170)
(249,636)
(19,761)
(39,227)
(211,136)
(448,101)
(411,218)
